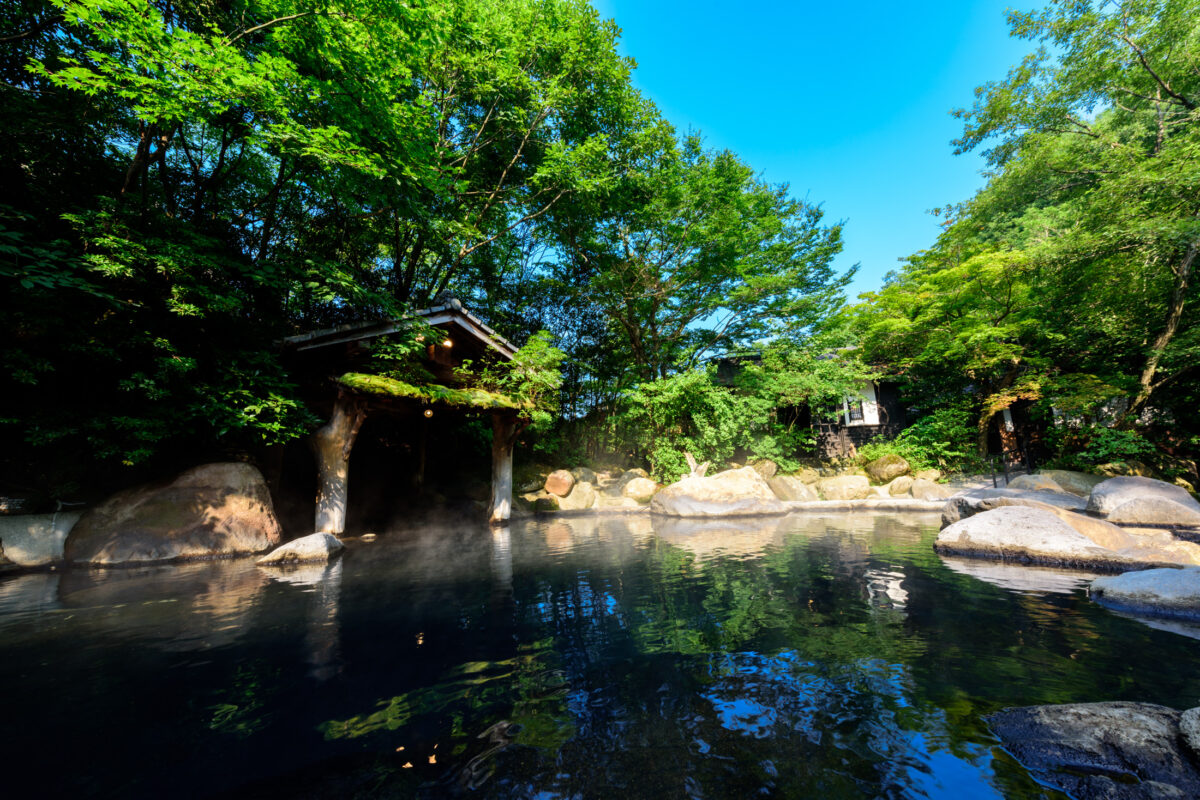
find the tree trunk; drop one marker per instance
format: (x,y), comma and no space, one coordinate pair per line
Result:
(1146,383)
(331,444)
(504,436)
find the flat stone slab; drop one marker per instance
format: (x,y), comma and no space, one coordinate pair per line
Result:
(315,547)
(1102,751)
(1166,592)
(1054,537)
(868,504)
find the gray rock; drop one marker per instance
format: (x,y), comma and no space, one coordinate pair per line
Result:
(928,475)
(211,510)
(922,489)
(788,487)
(582,497)
(584,474)
(844,487)
(1077,483)
(1113,751)
(36,540)
(605,500)
(885,468)
(617,487)
(640,490)
(1155,511)
(730,493)
(1035,483)
(900,486)
(1189,726)
(314,547)
(559,482)
(976,501)
(1109,495)
(1169,592)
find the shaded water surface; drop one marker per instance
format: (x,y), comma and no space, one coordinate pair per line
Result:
(831,657)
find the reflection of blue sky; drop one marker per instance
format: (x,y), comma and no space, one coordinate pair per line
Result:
(864,710)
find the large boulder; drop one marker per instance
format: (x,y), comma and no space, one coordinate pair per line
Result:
(928,475)
(36,540)
(844,487)
(1035,483)
(976,501)
(582,497)
(640,490)
(1078,483)
(585,474)
(1054,536)
(1155,511)
(1115,751)
(808,475)
(1189,726)
(559,482)
(730,493)
(791,488)
(210,511)
(617,487)
(1108,495)
(922,489)
(900,486)
(766,467)
(306,549)
(887,467)
(1169,592)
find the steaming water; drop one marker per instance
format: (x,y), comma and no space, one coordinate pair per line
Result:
(810,657)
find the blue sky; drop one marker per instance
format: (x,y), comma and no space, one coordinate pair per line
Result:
(848,103)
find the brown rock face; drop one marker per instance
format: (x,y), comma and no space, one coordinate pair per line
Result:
(211,510)
(560,482)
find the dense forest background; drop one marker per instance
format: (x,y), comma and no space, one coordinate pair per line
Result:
(187,183)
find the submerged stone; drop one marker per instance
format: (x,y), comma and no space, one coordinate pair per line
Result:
(1169,592)
(1114,751)
(314,547)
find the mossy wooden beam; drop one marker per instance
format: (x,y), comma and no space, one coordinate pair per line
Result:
(384,387)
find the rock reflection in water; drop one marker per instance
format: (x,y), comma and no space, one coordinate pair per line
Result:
(322,638)
(1022,578)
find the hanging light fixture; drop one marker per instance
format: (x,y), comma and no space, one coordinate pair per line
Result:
(428,413)
(447,343)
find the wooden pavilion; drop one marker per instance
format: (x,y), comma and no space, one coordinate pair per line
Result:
(332,365)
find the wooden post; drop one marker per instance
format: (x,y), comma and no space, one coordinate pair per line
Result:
(504,436)
(331,444)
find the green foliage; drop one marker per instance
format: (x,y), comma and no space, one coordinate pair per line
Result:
(943,439)
(692,412)
(697,238)
(1088,446)
(1069,279)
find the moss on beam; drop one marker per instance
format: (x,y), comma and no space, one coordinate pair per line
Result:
(379,386)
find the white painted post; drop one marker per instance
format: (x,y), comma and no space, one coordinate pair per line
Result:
(504,436)
(331,444)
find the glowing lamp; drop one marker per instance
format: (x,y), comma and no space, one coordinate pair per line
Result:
(429,412)
(447,343)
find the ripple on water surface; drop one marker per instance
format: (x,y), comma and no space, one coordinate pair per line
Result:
(832,656)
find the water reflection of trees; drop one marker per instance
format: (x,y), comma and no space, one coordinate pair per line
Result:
(662,663)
